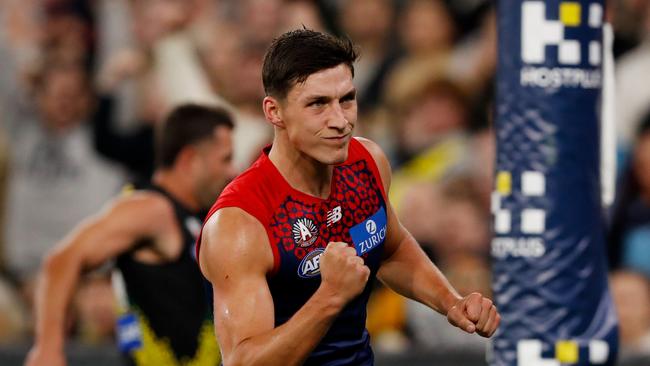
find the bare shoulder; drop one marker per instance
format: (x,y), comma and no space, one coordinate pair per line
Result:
(118,226)
(143,201)
(380,159)
(141,205)
(141,212)
(234,240)
(372,146)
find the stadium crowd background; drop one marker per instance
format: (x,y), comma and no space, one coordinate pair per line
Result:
(84,83)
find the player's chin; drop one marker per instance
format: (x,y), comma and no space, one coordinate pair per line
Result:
(337,155)
(332,159)
(339,160)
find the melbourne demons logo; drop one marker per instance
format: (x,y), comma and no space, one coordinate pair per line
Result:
(304,232)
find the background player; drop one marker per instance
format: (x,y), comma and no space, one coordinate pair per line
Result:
(151,232)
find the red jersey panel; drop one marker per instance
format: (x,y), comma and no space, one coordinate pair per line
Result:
(299,226)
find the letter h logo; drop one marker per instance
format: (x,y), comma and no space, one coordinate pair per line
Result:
(537,32)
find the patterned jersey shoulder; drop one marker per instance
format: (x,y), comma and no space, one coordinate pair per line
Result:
(358,151)
(253,191)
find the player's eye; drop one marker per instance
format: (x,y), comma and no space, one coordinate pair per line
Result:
(317,103)
(350,97)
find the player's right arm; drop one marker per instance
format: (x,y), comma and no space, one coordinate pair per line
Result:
(93,242)
(236,257)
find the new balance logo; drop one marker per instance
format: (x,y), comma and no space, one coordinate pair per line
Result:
(334,215)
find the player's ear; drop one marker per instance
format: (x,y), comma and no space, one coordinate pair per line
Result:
(273,111)
(187,157)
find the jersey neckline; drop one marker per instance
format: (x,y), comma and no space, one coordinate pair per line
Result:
(272,169)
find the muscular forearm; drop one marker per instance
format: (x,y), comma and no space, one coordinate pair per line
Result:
(292,342)
(58,280)
(411,273)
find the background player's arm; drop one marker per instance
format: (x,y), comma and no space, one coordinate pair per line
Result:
(92,243)
(407,270)
(236,257)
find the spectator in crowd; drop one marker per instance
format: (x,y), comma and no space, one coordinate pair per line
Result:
(463,228)
(133,148)
(629,234)
(56,176)
(262,19)
(13,317)
(233,67)
(431,135)
(93,310)
(467,14)
(370,23)
(632,80)
(427,33)
(631,293)
(299,13)
(627,18)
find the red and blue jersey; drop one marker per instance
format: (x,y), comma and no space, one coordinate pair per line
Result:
(299,227)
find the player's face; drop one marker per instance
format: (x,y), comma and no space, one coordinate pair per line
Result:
(319,115)
(215,167)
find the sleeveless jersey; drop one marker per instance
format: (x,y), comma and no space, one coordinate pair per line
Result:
(168,303)
(300,226)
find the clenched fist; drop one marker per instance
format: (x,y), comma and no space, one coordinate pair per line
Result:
(342,271)
(475,313)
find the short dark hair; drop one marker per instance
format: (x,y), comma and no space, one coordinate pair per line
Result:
(296,54)
(186,125)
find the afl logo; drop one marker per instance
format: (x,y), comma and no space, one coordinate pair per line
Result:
(304,232)
(310,265)
(371,227)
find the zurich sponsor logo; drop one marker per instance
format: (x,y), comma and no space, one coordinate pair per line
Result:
(370,233)
(310,264)
(371,227)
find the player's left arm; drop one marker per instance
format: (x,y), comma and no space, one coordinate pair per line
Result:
(407,270)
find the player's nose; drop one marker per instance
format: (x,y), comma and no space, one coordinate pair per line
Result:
(337,119)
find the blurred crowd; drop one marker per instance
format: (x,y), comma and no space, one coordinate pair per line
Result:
(83,85)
